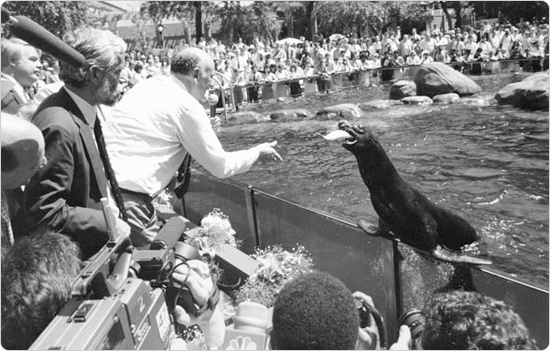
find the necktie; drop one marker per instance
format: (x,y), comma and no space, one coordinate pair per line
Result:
(108,168)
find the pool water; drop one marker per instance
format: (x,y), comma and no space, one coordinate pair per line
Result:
(472,159)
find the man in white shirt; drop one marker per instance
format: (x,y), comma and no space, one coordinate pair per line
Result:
(153,128)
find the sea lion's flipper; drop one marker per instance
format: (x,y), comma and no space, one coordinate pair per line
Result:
(456,257)
(369,228)
(381,230)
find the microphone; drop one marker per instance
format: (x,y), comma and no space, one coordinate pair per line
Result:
(250,328)
(36,35)
(5,15)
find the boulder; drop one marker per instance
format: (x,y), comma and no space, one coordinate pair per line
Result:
(449,98)
(289,115)
(436,78)
(246,117)
(378,104)
(531,93)
(417,100)
(345,111)
(401,89)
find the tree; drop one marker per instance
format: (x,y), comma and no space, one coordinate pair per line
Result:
(247,22)
(358,16)
(511,11)
(58,17)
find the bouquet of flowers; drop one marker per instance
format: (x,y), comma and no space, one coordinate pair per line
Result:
(214,232)
(277,266)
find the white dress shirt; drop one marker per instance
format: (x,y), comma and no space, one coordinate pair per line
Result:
(154,126)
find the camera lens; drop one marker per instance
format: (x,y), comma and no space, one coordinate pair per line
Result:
(414,319)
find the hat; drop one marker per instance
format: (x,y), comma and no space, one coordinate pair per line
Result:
(425,52)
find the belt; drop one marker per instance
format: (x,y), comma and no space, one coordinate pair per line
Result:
(145,196)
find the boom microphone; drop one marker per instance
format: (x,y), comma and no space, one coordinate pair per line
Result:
(36,35)
(5,15)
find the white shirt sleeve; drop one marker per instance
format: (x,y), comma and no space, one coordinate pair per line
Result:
(200,140)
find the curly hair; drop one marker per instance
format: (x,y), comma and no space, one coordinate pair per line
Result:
(314,311)
(460,320)
(37,275)
(100,48)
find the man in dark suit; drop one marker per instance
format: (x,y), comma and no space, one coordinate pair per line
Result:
(66,194)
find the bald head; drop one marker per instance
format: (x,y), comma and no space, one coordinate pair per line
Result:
(195,68)
(185,61)
(22,151)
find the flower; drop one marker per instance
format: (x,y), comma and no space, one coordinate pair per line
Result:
(215,232)
(276,267)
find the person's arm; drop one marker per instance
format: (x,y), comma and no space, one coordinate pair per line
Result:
(368,337)
(195,275)
(198,138)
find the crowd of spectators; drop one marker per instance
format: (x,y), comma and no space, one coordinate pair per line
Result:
(301,66)
(294,67)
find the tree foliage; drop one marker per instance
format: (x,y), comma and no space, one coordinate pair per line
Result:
(57,17)
(375,17)
(247,22)
(512,11)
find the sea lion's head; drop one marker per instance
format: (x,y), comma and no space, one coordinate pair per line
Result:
(360,141)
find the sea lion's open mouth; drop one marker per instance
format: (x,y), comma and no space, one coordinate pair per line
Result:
(345,133)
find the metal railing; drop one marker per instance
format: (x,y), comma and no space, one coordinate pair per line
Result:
(347,79)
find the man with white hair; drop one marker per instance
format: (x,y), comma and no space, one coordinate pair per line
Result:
(66,194)
(155,126)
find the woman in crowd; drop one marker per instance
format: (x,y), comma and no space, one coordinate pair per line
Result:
(270,77)
(310,83)
(296,73)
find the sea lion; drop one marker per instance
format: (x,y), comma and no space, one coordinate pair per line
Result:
(403,210)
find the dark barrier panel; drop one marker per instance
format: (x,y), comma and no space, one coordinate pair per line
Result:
(363,263)
(397,278)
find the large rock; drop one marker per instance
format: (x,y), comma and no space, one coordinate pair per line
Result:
(531,93)
(436,78)
(342,111)
(401,89)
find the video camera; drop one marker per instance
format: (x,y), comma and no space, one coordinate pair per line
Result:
(118,300)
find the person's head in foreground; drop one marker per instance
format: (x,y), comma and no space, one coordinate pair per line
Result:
(460,320)
(37,275)
(314,311)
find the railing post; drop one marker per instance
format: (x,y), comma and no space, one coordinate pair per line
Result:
(251,214)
